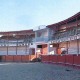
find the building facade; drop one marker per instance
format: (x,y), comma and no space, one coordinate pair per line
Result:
(59,38)
(64,42)
(16,44)
(42,41)
(66,36)
(55,39)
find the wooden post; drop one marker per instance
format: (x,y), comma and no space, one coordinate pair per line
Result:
(16,47)
(7,42)
(25,45)
(77,39)
(67,46)
(67,38)
(77,46)
(16,44)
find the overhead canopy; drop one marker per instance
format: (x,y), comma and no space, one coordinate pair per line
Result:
(71,19)
(17,34)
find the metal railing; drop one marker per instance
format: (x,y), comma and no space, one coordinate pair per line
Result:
(42,39)
(69,35)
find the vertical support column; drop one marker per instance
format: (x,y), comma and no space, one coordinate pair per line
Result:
(77,46)
(49,34)
(67,43)
(67,46)
(48,47)
(30,41)
(7,42)
(36,50)
(16,45)
(25,44)
(77,39)
(35,44)
(29,47)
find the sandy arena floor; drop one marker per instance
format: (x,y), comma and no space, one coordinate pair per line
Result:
(37,71)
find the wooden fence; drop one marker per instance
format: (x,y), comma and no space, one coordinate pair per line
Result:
(17,58)
(72,60)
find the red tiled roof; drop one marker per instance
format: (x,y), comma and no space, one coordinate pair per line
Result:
(19,32)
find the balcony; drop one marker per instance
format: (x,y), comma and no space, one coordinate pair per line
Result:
(42,39)
(66,36)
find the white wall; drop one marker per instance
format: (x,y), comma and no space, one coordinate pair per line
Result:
(42,33)
(50,33)
(51,50)
(72,47)
(33,45)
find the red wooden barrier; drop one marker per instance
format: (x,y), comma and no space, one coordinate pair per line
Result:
(42,58)
(61,59)
(55,58)
(69,59)
(24,58)
(9,58)
(65,59)
(45,58)
(17,58)
(51,58)
(3,58)
(76,60)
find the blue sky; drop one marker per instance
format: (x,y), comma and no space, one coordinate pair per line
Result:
(27,14)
